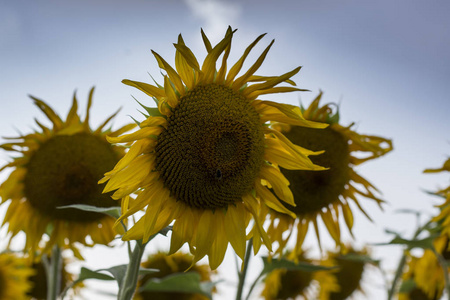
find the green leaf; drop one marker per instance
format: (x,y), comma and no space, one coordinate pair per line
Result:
(407,211)
(332,119)
(360,258)
(290,265)
(180,282)
(434,193)
(118,272)
(165,230)
(110,211)
(86,273)
(390,231)
(426,243)
(407,286)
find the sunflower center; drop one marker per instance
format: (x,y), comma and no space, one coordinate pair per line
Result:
(65,171)
(315,190)
(348,277)
(293,283)
(212,149)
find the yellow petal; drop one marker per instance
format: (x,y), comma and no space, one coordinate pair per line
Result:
(209,64)
(146,132)
(279,183)
(154,121)
(236,68)
(173,75)
(149,89)
(220,243)
(269,83)
(239,82)
(207,226)
(252,206)
(182,231)
(235,228)
(271,201)
(171,96)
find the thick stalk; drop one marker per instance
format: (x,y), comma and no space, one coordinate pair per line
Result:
(244,270)
(129,283)
(54,274)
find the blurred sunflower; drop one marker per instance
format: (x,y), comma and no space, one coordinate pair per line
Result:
(324,195)
(424,279)
(39,280)
(169,265)
(443,218)
(202,156)
(282,284)
(60,166)
(14,275)
(351,265)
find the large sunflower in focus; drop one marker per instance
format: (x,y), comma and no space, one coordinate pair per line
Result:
(14,275)
(60,166)
(202,156)
(326,195)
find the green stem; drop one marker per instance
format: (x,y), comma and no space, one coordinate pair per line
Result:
(54,274)
(244,270)
(129,283)
(402,263)
(253,286)
(398,274)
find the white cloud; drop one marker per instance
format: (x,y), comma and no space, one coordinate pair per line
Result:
(216,15)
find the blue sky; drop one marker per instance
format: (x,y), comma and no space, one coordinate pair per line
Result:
(386,62)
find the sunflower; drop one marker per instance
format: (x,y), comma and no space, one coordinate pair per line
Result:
(60,166)
(39,280)
(202,158)
(327,194)
(283,284)
(351,264)
(424,279)
(169,265)
(14,275)
(443,218)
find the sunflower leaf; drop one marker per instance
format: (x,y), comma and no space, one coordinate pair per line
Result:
(360,258)
(407,211)
(283,263)
(86,273)
(407,286)
(110,211)
(426,243)
(118,272)
(152,111)
(179,282)
(165,230)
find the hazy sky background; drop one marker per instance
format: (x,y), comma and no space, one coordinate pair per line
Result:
(386,62)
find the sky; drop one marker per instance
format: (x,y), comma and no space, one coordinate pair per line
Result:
(387,64)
